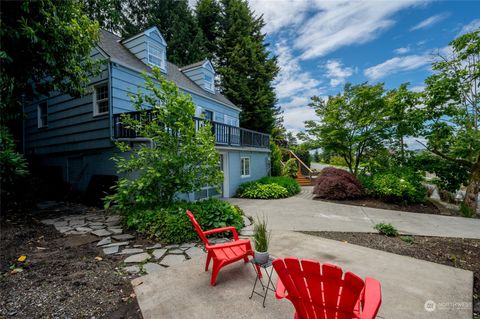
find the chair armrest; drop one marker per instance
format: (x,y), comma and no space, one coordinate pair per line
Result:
(221,230)
(239,242)
(372,298)
(280,291)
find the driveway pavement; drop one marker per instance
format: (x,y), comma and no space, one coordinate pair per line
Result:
(302,213)
(184,291)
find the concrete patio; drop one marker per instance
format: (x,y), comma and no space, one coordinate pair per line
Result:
(302,213)
(184,291)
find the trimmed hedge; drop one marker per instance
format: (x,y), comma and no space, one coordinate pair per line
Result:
(334,183)
(288,183)
(171,224)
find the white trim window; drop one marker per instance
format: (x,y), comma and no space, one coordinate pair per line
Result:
(100,99)
(230,120)
(156,55)
(209,84)
(245,166)
(42,115)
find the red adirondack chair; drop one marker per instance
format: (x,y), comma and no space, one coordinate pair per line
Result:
(325,294)
(223,254)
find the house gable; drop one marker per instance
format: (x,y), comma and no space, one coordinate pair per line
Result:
(150,47)
(202,73)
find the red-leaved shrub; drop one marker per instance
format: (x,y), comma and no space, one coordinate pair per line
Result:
(334,183)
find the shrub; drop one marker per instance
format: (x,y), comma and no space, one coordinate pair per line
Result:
(386,229)
(171,224)
(289,183)
(291,168)
(334,183)
(337,161)
(276,159)
(399,185)
(265,191)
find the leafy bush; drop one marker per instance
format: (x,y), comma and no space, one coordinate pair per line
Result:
(276,159)
(337,161)
(334,183)
(171,224)
(288,183)
(291,168)
(265,191)
(386,229)
(399,185)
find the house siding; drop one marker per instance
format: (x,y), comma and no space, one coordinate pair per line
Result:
(71,123)
(259,167)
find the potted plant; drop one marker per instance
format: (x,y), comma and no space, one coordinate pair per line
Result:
(261,239)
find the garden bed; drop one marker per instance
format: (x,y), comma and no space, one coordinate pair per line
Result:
(427,207)
(61,277)
(455,252)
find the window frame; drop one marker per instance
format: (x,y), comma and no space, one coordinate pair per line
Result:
(209,85)
(96,101)
(161,57)
(204,110)
(40,123)
(243,166)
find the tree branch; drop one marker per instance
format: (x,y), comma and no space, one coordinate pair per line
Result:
(446,157)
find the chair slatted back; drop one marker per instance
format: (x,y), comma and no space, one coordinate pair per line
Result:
(320,291)
(197,227)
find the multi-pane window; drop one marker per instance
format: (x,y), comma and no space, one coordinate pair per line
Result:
(101,99)
(208,79)
(230,120)
(155,55)
(245,166)
(42,115)
(208,115)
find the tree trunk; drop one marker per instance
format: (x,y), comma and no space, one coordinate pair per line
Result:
(471,195)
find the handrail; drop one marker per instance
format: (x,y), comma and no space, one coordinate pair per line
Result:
(301,162)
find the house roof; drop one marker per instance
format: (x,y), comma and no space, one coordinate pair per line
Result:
(193,65)
(111,45)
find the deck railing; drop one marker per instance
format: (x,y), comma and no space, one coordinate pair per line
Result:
(225,135)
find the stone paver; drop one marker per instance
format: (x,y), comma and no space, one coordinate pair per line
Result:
(105,241)
(172,260)
(110,250)
(101,233)
(175,251)
(155,246)
(158,253)
(123,237)
(138,258)
(116,231)
(297,213)
(194,252)
(123,243)
(135,269)
(150,268)
(83,229)
(130,251)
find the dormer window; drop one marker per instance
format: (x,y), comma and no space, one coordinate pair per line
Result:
(156,55)
(208,80)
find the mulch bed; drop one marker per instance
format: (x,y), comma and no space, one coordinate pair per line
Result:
(61,277)
(456,252)
(423,208)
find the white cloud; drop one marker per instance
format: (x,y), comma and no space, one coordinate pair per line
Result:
(397,64)
(292,82)
(337,73)
(402,50)
(429,21)
(281,13)
(341,23)
(294,118)
(418,88)
(472,26)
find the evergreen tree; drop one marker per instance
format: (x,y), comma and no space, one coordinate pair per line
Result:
(246,67)
(176,22)
(208,16)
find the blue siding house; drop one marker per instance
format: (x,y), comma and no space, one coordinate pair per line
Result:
(74,137)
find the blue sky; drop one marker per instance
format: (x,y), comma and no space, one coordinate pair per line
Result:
(322,44)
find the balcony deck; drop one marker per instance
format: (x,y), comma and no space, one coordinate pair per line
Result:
(225,135)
